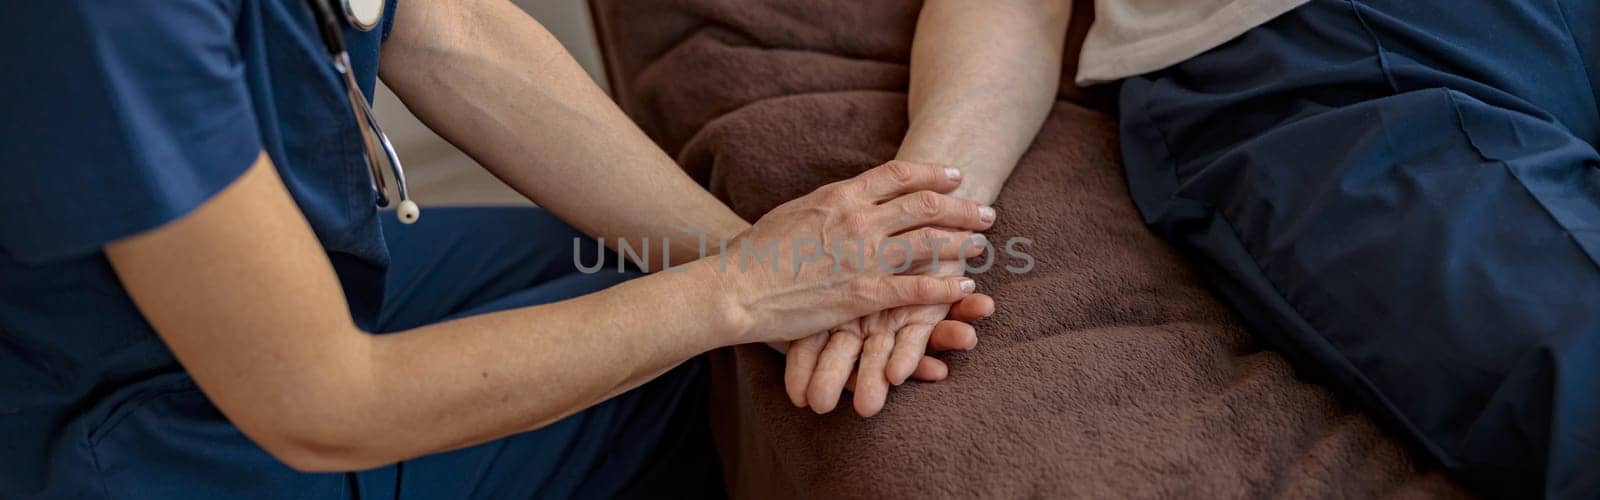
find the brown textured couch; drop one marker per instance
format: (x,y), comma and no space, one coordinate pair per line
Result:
(1109,370)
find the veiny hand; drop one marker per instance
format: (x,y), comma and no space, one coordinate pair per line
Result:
(886,348)
(821,259)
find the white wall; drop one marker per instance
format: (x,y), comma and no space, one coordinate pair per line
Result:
(438,173)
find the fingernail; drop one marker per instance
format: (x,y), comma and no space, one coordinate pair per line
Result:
(967,285)
(978,240)
(953,174)
(986,213)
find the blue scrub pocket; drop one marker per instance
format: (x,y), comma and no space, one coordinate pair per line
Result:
(1558,169)
(172,443)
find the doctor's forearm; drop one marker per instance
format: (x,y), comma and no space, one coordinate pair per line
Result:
(452,385)
(496,84)
(983,78)
(502,370)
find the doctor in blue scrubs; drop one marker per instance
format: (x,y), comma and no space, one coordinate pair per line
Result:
(199,296)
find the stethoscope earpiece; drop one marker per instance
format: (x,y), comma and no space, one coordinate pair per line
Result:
(408,212)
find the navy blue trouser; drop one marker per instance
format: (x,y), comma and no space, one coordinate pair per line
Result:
(458,262)
(1403,196)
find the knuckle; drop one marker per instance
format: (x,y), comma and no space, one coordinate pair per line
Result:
(896,250)
(919,237)
(926,203)
(857,223)
(899,317)
(880,343)
(853,332)
(835,193)
(901,172)
(969,210)
(877,324)
(848,332)
(929,288)
(919,248)
(891,253)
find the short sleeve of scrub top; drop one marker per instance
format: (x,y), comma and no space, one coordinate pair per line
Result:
(120,116)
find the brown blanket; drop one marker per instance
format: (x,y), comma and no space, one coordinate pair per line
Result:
(1109,370)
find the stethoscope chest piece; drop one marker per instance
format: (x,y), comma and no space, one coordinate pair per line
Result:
(363,14)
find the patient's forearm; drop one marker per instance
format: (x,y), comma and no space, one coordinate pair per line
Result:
(983,78)
(496,84)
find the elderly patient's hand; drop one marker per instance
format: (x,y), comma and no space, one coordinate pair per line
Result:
(882,349)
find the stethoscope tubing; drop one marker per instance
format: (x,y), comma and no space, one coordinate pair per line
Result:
(373,140)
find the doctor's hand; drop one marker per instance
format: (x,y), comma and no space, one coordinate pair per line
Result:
(829,257)
(883,349)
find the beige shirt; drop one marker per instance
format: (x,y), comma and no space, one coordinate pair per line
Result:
(1132,37)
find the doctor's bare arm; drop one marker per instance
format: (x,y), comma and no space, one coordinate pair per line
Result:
(245,296)
(495,83)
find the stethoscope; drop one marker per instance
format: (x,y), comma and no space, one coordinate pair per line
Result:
(364,15)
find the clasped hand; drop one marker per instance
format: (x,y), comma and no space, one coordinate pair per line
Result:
(882,349)
(880,252)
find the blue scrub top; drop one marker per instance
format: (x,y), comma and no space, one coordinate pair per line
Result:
(120,116)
